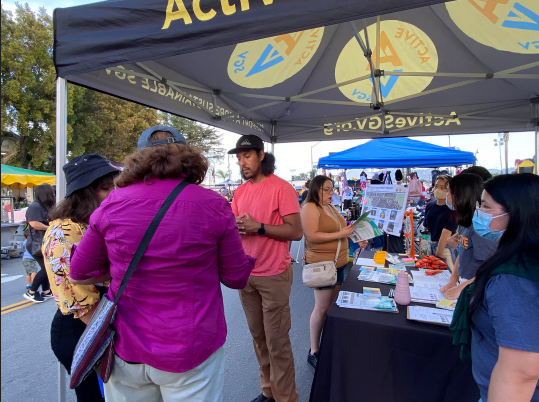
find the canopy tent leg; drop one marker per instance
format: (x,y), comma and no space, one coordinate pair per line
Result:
(61,154)
(273,137)
(535,106)
(61,137)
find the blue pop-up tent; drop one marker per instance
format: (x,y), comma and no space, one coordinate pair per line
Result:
(396,153)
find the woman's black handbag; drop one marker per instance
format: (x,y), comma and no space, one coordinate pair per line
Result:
(36,241)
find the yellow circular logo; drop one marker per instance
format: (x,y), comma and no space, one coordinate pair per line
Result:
(509,25)
(403,47)
(266,62)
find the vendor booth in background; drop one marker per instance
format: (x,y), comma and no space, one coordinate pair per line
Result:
(17,178)
(396,153)
(525,166)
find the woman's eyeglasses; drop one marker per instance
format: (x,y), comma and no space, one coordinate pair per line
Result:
(328,190)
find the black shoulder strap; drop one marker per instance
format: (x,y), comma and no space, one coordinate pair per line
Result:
(148,236)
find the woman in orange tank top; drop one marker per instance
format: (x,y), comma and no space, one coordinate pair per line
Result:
(323,227)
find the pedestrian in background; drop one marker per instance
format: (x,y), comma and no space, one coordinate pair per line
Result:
(37,216)
(170,322)
(90,179)
(29,263)
(267,215)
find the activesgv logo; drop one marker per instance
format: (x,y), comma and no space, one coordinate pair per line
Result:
(266,62)
(403,47)
(508,25)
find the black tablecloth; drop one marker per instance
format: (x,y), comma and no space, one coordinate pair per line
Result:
(371,356)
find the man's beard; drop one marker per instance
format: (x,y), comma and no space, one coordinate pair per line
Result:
(251,174)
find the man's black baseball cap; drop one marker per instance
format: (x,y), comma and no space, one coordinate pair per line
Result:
(248,142)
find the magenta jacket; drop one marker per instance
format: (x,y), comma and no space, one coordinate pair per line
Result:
(171,314)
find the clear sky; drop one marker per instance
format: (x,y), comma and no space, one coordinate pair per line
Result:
(298,155)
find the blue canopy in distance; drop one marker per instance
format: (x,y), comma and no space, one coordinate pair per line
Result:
(228,182)
(396,153)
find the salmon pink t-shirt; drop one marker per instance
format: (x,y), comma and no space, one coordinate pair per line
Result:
(267,203)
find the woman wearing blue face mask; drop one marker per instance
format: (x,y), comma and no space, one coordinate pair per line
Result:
(464,194)
(496,319)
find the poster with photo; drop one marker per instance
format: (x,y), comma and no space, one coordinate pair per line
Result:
(387,204)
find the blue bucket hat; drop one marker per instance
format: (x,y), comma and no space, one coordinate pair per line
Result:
(144,139)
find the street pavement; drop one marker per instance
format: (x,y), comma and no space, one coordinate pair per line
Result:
(30,369)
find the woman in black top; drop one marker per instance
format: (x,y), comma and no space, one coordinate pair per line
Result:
(37,217)
(438,219)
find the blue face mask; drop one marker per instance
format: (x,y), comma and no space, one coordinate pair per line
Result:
(448,204)
(481,221)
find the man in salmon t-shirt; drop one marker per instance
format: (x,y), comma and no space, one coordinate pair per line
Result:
(267,214)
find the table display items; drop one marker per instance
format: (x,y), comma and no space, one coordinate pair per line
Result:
(402,290)
(430,315)
(371,300)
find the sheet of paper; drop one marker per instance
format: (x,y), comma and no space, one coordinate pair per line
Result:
(429,314)
(425,295)
(421,280)
(367,261)
(363,231)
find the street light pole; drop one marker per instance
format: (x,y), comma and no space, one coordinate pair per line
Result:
(506,140)
(311,168)
(498,143)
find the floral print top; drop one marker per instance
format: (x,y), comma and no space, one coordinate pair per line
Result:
(57,243)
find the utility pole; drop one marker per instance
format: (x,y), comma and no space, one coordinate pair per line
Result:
(506,140)
(311,175)
(498,142)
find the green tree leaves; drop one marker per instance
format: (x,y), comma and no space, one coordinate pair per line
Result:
(95,123)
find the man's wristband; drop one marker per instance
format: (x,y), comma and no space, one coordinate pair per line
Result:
(261,229)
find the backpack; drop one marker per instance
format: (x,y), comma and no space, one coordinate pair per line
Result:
(415,188)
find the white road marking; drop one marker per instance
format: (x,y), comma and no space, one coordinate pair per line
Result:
(11,278)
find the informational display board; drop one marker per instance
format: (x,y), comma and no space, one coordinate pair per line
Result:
(387,204)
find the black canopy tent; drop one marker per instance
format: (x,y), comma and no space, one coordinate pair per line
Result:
(301,70)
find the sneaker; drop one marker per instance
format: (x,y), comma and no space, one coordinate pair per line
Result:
(263,398)
(47,296)
(28,287)
(312,359)
(36,297)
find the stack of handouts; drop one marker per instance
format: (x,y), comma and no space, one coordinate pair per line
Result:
(381,275)
(430,315)
(366,301)
(425,295)
(421,279)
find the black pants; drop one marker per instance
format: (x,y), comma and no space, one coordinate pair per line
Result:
(65,333)
(41,278)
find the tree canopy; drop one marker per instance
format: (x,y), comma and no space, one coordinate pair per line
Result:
(96,122)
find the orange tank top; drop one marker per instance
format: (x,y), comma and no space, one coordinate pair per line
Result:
(318,252)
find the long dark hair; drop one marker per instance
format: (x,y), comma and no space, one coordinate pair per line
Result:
(314,190)
(466,189)
(519,197)
(44,195)
(267,166)
(83,202)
